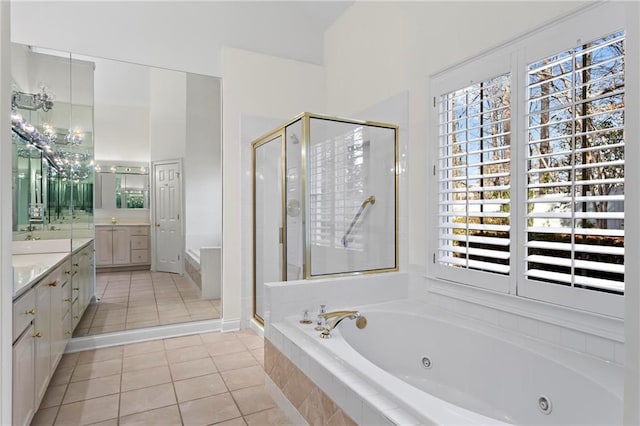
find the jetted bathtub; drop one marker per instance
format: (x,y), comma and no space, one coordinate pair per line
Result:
(446,370)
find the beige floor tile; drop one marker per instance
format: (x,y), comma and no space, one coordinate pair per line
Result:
(97,369)
(143,348)
(253,399)
(174,320)
(144,378)
(106,328)
(109,320)
(204,317)
(234,361)
(243,377)
(182,342)
(218,337)
(98,355)
(142,309)
(165,416)
(238,421)
(141,324)
(271,417)
(45,417)
(140,362)
(140,400)
(69,360)
(61,376)
(224,348)
(199,387)
(195,368)
(53,396)
(87,389)
(89,411)
(251,342)
(209,410)
(186,354)
(142,316)
(258,354)
(112,422)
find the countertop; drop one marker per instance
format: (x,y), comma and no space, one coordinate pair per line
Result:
(29,268)
(123,224)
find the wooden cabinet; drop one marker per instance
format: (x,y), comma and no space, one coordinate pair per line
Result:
(42,328)
(122,246)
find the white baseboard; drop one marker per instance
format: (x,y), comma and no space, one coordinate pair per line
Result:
(142,334)
(285,405)
(257,327)
(231,325)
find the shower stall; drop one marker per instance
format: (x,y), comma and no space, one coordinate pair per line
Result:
(325,200)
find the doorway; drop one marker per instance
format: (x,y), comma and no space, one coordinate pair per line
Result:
(167,224)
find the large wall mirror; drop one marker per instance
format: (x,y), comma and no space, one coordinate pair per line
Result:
(103,126)
(52,145)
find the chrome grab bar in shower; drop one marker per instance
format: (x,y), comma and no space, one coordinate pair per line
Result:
(370,200)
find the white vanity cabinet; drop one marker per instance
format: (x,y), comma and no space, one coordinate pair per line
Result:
(81,282)
(122,246)
(53,295)
(112,246)
(42,328)
(24,358)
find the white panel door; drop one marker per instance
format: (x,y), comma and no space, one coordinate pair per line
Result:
(168,228)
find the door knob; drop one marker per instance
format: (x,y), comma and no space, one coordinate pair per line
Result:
(157,225)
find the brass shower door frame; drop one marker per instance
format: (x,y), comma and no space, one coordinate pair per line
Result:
(280,132)
(272,136)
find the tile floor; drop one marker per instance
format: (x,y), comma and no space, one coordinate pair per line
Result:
(139,299)
(202,379)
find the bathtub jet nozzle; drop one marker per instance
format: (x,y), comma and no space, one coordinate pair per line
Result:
(361,321)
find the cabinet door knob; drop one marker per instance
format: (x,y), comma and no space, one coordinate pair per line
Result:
(76,289)
(31,311)
(157,225)
(75,317)
(68,299)
(53,284)
(67,332)
(67,272)
(76,264)
(38,335)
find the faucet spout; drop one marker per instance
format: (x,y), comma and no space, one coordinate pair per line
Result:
(361,321)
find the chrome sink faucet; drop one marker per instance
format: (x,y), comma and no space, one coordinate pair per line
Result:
(361,321)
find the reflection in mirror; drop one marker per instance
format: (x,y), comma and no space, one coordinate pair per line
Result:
(52,139)
(122,187)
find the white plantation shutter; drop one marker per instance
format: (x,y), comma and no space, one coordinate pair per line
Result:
(473,171)
(575,167)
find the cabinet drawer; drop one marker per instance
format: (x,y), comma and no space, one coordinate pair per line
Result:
(139,242)
(24,311)
(139,230)
(139,256)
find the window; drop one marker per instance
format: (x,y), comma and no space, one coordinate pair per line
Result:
(575,167)
(536,212)
(474,171)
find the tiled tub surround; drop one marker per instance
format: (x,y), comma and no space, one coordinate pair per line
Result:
(202,379)
(311,402)
(473,370)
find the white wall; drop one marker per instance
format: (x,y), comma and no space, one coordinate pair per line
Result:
(203,162)
(260,86)
(121,129)
(167,114)
(397,46)
(6,271)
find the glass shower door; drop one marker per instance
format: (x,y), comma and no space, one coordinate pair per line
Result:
(268,216)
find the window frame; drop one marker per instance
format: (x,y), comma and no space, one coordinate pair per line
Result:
(551,39)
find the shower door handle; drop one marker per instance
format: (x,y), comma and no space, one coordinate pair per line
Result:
(371,200)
